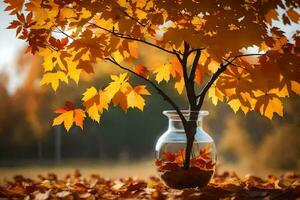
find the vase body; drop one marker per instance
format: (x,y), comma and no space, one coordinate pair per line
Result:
(170,154)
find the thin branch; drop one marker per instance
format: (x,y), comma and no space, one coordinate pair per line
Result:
(244,55)
(123,36)
(134,19)
(197,49)
(65,33)
(160,91)
(237,65)
(214,77)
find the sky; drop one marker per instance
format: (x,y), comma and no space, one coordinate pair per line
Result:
(11,46)
(9,49)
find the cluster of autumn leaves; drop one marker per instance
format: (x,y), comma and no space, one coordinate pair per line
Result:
(173,161)
(73,37)
(119,92)
(75,186)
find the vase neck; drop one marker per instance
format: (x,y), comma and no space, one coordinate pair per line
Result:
(178,125)
(175,123)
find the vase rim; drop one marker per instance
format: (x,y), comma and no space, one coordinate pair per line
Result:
(186,113)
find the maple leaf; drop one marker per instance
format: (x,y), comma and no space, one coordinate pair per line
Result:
(268,104)
(176,68)
(86,66)
(73,71)
(134,98)
(91,100)
(141,70)
(179,86)
(95,102)
(133,49)
(170,157)
(53,58)
(205,153)
(94,112)
(53,78)
(58,43)
(45,15)
(119,83)
(68,116)
(271,15)
(120,99)
(162,73)
(14,6)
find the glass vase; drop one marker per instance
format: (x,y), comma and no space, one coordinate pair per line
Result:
(170,154)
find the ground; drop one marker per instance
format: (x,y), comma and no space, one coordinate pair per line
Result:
(107,181)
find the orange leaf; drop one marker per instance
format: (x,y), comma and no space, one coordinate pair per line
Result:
(169,156)
(68,115)
(205,153)
(141,70)
(293,15)
(14,6)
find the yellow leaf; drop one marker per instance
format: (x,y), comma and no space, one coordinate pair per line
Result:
(48,63)
(295,87)
(66,13)
(122,3)
(235,104)
(119,83)
(73,72)
(274,105)
(66,118)
(213,66)
(263,47)
(163,73)
(118,56)
(212,95)
(94,113)
(54,58)
(215,95)
(179,85)
(90,93)
(268,104)
(134,98)
(53,79)
(42,15)
(203,57)
(141,14)
(103,101)
(95,102)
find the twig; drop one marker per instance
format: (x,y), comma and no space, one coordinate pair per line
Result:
(123,36)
